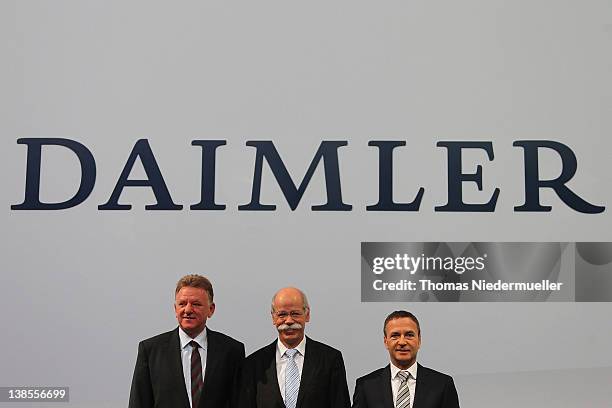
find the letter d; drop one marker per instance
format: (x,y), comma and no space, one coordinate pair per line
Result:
(32,185)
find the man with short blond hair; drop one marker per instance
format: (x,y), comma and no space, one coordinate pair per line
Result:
(294,371)
(190,366)
(195,281)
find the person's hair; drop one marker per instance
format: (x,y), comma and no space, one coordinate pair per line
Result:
(398,314)
(195,281)
(304,299)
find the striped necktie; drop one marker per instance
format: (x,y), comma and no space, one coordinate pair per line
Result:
(196,375)
(403,393)
(292,379)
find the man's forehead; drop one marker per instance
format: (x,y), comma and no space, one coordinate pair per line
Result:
(401,323)
(288,305)
(190,292)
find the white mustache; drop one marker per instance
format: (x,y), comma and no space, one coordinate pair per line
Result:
(285,326)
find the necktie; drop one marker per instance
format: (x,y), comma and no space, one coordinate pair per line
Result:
(292,379)
(196,375)
(403,393)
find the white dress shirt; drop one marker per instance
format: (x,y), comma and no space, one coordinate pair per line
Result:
(186,350)
(396,381)
(281,362)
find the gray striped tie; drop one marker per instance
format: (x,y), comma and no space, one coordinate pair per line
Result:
(403,394)
(292,379)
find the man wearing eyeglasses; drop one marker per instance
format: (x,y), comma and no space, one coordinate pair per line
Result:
(294,371)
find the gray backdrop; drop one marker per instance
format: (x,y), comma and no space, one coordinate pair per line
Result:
(79,288)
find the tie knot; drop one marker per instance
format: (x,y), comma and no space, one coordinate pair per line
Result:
(194,344)
(291,353)
(403,375)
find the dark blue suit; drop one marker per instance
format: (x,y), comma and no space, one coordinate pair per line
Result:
(322,384)
(158,377)
(433,390)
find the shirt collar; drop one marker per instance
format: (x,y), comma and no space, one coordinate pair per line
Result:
(412,370)
(201,339)
(301,348)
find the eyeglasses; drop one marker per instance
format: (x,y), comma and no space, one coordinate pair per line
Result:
(295,314)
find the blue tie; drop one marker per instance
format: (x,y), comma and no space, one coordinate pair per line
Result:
(292,379)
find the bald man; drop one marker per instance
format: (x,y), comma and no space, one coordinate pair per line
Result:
(294,371)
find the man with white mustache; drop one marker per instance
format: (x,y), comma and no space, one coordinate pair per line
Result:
(294,371)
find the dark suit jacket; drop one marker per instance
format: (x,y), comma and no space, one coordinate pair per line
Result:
(158,377)
(322,385)
(433,390)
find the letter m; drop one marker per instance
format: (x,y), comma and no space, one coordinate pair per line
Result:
(327,152)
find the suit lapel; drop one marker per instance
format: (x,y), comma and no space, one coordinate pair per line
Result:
(213,356)
(175,367)
(271,378)
(420,395)
(311,355)
(385,386)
